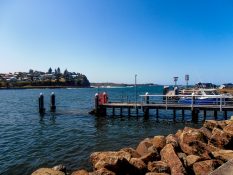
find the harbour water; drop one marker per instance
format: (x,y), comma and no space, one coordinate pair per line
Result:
(29,141)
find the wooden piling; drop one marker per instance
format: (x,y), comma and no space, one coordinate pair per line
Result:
(204,114)
(157,112)
(225,115)
(215,114)
(129,111)
(41,104)
(113,111)
(174,114)
(121,111)
(195,115)
(52,102)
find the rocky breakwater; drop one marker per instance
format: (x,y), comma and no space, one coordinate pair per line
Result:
(188,151)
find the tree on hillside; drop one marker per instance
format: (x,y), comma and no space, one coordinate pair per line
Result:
(50,70)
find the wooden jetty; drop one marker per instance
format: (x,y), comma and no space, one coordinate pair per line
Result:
(161,102)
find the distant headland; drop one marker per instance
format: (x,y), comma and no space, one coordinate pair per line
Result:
(39,79)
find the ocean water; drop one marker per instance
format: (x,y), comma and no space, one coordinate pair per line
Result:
(29,141)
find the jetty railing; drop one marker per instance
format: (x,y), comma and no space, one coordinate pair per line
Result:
(188,100)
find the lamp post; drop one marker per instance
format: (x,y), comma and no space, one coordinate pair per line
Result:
(135,81)
(175,80)
(187,79)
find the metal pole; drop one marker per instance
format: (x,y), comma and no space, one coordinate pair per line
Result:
(135,79)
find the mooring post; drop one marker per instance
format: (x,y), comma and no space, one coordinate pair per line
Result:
(113,111)
(215,114)
(41,104)
(52,102)
(146,109)
(97,103)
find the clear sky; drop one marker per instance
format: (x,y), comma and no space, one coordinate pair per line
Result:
(112,40)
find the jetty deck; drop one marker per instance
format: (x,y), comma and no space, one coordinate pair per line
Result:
(163,102)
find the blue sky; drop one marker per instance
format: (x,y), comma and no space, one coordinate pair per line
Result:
(112,40)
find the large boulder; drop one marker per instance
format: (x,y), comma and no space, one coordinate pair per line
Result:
(143,146)
(211,124)
(80,172)
(229,128)
(205,167)
(132,152)
(224,155)
(158,167)
(206,132)
(159,142)
(169,156)
(172,139)
(153,173)
(45,171)
(221,139)
(102,171)
(101,156)
(140,166)
(193,142)
(191,159)
(150,157)
(60,167)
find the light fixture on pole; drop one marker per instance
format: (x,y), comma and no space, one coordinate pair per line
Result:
(175,80)
(187,79)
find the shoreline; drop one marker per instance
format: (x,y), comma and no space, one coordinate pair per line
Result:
(43,87)
(188,151)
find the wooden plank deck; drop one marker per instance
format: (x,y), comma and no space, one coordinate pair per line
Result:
(168,106)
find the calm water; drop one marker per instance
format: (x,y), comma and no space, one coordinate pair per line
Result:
(28,141)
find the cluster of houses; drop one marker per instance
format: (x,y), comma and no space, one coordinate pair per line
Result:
(34,77)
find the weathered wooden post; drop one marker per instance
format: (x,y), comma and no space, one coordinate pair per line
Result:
(41,104)
(96,103)
(225,114)
(52,102)
(146,109)
(195,115)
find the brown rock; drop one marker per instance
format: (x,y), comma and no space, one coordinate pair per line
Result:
(159,142)
(140,166)
(229,128)
(224,155)
(143,146)
(102,171)
(60,167)
(205,167)
(97,156)
(80,172)
(211,124)
(178,133)
(192,142)
(169,156)
(221,139)
(182,157)
(172,140)
(191,159)
(132,152)
(206,132)
(150,157)
(45,171)
(152,173)
(158,167)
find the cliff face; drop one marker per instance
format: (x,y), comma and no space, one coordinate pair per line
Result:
(188,151)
